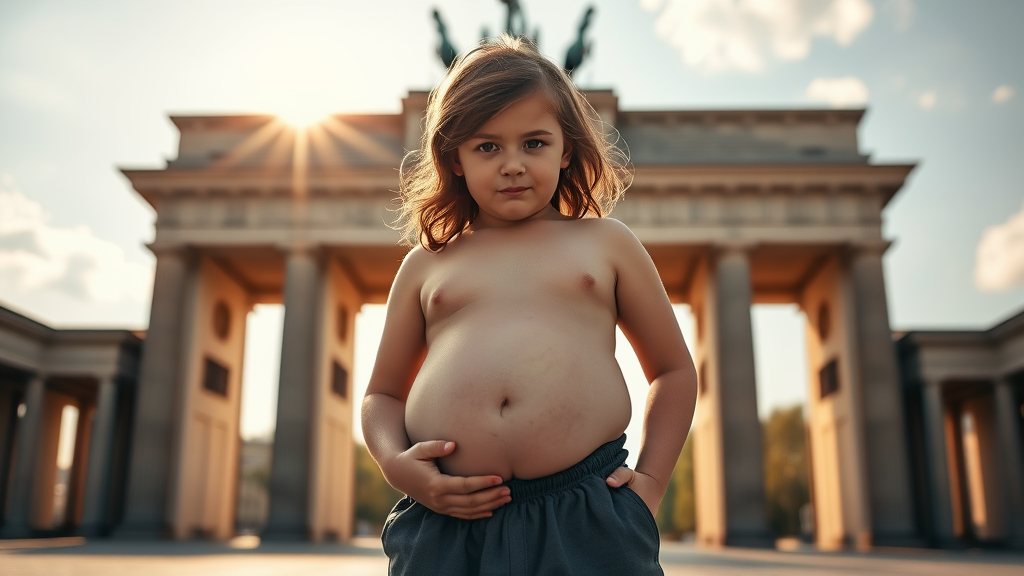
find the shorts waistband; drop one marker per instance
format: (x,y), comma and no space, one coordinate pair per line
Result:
(602,462)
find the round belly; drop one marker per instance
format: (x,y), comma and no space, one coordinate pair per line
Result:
(520,398)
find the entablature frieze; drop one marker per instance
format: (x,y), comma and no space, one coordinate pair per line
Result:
(802,180)
(240,214)
(754,236)
(171,238)
(791,214)
(799,203)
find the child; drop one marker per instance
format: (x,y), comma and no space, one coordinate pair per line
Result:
(496,403)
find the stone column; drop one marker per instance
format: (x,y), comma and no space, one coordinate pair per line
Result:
(742,448)
(940,499)
(880,397)
(8,422)
(101,447)
(153,430)
(1008,419)
(23,485)
(290,467)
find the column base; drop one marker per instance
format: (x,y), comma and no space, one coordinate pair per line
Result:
(286,533)
(749,540)
(898,540)
(17,532)
(142,531)
(94,531)
(947,543)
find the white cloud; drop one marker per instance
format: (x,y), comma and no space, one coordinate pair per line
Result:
(999,258)
(724,35)
(34,255)
(927,100)
(839,92)
(1002,94)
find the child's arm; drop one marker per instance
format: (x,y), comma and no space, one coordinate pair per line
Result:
(412,469)
(647,320)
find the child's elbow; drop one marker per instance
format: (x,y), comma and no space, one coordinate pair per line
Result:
(691,382)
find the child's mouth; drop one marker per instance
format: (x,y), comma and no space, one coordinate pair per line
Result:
(512,190)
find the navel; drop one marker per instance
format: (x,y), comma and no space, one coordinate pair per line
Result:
(504,404)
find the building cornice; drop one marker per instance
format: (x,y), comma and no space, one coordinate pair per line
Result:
(742,116)
(206,121)
(35,330)
(184,182)
(11,320)
(1012,326)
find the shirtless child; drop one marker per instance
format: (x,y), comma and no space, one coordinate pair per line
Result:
(496,403)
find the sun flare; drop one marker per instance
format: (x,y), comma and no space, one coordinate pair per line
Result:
(303,115)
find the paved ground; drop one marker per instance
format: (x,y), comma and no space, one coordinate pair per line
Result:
(245,556)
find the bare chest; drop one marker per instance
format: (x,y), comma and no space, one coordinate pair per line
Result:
(525,276)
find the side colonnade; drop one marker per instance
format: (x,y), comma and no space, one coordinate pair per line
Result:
(966,392)
(81,381)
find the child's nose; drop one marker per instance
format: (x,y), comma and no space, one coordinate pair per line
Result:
(512,166)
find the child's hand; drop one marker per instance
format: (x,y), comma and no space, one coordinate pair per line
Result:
(646,487)
(468,497)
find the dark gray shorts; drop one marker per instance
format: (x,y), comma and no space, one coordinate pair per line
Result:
(571,522)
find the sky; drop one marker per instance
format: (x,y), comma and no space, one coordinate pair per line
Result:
(86,88)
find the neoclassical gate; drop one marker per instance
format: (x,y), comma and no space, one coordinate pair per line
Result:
(736,208)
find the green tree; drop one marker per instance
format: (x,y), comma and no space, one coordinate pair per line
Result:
(374,496)
(676,514)
(785,469)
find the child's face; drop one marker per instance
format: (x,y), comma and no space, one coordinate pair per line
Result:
(511,164)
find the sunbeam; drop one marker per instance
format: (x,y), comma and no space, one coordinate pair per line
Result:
(267,134)
(346,133)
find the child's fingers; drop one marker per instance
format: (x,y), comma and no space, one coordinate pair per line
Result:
(470,484)
(470,507)
(473,502)
(483,498)
(620,477)
(431,449)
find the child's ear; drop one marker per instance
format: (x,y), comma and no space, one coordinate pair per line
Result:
(457,166)
(566,156)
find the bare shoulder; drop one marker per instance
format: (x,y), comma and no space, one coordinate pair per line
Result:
(607,227)
(412,271)
(614,236)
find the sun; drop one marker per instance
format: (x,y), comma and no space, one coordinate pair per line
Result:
(303,115)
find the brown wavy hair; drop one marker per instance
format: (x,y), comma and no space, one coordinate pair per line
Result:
(436,204)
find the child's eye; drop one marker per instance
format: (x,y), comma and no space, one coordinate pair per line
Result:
(487,147)
(533,144)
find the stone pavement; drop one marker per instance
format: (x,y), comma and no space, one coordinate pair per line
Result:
(247,556)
